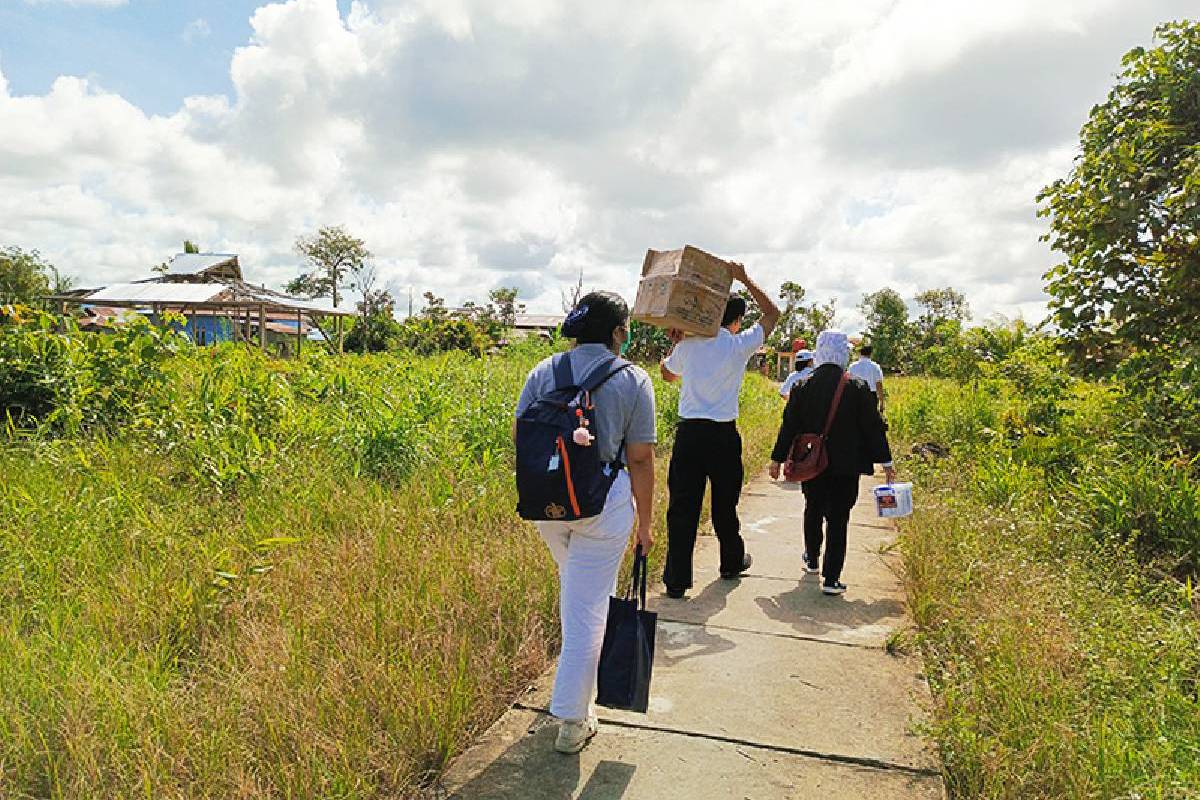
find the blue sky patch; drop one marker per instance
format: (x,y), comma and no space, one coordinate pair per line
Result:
(153,53)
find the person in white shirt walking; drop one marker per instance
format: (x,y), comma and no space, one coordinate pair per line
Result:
(803,369)
(870,372)
(708,447)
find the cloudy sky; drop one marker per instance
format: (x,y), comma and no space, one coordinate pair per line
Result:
(847,146)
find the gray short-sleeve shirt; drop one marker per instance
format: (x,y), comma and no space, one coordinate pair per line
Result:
(625,412)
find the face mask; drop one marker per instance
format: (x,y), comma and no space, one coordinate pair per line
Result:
(625,344)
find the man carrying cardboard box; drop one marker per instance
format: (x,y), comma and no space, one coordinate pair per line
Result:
(708,447)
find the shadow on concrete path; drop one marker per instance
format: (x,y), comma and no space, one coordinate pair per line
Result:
(702,641)
(531,770)
(811,613)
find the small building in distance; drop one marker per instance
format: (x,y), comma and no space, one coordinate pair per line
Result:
(536,324)
(217,303)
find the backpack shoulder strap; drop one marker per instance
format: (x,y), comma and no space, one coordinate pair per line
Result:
(602,372)
(564,378)
(833,407)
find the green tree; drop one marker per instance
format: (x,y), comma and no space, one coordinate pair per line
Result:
(1127,216)
(791,317)
(817,317)
(998,339)
(190,247)
(938,306)
(647,343)
(504,306)
(888,329)
(334,256)
(375,330)
(26,277)
(498,316)
(946,353)
(435,307)
(796,318)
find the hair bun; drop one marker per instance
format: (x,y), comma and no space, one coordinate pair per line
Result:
(572,326)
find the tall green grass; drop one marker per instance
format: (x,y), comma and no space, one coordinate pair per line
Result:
(270,579)
(1050,568)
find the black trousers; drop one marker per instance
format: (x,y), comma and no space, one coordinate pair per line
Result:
(827,503)
(705,451)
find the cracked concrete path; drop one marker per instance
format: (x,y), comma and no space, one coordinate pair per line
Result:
(763,688)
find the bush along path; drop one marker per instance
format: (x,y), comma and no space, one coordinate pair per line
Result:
(763,688)
(1051,567)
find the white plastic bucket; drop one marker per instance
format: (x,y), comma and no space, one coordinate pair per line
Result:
(894,499)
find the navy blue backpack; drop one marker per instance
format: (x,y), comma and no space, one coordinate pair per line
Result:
(558,479)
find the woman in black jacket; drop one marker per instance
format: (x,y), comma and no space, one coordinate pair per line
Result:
(856,442)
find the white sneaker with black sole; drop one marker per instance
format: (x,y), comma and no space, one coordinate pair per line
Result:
(833,588)
(573,735)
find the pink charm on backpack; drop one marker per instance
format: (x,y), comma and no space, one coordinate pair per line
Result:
(582,436)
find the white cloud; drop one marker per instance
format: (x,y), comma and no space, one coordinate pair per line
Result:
(886,142)
(195,30)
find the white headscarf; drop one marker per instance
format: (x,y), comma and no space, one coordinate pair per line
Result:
(833,347)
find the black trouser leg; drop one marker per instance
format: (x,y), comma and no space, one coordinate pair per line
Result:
(838,495)
(816,498)
(725,472)
(685,484)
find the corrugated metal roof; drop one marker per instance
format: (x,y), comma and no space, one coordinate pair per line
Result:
(537,320)
(267,296)
(191,263)
(230,293)
(158,292)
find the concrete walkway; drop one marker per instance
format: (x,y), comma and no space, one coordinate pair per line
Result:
(763,688)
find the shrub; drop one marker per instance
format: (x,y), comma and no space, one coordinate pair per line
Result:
(68,382)
(1141,500)
(428,335)
(1062,654)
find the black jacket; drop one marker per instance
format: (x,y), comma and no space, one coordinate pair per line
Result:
(857,440)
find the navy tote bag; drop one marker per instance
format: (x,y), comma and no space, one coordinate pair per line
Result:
(627,655)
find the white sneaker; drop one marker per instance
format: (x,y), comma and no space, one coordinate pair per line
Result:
(574,735)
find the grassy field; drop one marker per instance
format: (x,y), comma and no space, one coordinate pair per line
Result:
(1050,570)
(229,577)
(225,576)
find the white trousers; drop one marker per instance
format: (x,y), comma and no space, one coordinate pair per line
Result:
(588,553)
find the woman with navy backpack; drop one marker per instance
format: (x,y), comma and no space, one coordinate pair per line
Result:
(585,434)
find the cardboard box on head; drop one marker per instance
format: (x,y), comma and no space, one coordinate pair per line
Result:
(684,289)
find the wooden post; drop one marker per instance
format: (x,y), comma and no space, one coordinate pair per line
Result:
(341,335)
(262,328)
(299,333)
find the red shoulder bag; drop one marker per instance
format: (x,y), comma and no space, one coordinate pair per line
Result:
(808,458)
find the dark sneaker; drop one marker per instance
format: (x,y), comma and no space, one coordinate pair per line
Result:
(675,594)
(746,562)
(810,565)
(833,588)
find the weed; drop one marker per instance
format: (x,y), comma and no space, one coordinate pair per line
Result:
(242,577)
